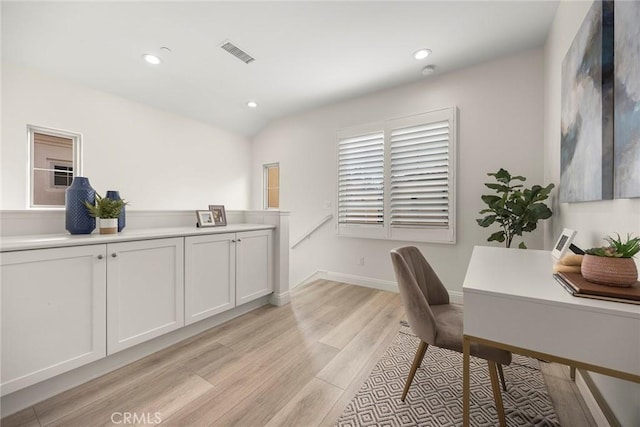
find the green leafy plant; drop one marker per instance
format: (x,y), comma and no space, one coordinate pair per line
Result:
(617,248)
(105,207)
(514,208)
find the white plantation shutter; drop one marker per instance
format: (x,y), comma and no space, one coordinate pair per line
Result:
(420,175)
(361,180)
(399,184)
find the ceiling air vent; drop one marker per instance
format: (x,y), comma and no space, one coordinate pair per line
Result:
(237,52)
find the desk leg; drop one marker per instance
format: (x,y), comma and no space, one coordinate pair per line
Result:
(466,386)
(497,396)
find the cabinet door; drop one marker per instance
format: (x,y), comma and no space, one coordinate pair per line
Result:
(53,312)
(145,291)
(209,276)
(254,265)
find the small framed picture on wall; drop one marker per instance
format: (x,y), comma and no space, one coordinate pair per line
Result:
(219,214)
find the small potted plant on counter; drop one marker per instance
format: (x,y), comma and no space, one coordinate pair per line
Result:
(612,265)
(107,211)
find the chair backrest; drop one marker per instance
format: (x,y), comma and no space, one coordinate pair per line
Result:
(419,288)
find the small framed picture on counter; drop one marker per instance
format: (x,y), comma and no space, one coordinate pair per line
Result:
(219,214)
(563,243)
(205,219)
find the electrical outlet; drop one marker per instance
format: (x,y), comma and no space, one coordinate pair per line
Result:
(361,261)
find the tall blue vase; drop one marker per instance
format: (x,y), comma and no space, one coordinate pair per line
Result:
(77,218)
(122,219)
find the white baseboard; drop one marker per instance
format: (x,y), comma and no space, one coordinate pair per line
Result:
(592,403)
(316,275)
(368,282)
(280,299)
(455,297)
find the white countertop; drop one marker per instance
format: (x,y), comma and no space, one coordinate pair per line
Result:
(42,241)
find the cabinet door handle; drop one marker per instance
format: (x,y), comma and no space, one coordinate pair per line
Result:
(114,255)
(239,240)
(233,241)
(100,256)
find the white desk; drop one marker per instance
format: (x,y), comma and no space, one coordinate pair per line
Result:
(511,301)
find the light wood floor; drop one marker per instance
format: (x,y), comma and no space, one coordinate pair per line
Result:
(297,365)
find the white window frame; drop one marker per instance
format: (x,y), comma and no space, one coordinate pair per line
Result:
(77,158)
(406,234)
(265,185)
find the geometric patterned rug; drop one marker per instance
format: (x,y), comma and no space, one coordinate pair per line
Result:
(435,396)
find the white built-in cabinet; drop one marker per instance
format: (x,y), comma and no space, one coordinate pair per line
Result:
(226,270)
(254,264)
(145,291)
(67,306)
(53,312)
(209,275)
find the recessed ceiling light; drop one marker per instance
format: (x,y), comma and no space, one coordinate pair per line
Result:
(422,53)
(252,104)
(429,69)
(151,59)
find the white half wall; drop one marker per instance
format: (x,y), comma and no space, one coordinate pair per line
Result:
(500,125)
(592,220)
(157,160)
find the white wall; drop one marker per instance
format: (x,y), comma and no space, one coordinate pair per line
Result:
(500,125)
(592,220)
(156,159)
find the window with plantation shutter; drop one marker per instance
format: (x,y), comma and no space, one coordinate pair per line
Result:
(361,182)
(421,176)
(396,180)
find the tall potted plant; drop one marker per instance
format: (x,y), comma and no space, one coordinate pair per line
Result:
(107,210)
(514,208)
(612,265)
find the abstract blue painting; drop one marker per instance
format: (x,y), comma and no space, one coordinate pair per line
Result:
(586,147)
(627,99)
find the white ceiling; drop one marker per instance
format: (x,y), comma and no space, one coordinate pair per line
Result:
(307,54)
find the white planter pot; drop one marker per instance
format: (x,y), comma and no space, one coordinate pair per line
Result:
(108,225)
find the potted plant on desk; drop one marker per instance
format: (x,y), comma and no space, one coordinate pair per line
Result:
(107,211)
(612,265)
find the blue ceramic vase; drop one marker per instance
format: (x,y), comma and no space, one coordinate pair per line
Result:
(122,219)
(77,218)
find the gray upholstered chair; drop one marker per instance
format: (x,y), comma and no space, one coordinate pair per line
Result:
(435,321)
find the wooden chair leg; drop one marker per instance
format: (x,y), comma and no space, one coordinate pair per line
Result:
(501,373)
(572,372)
(417,360)
(497,395)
